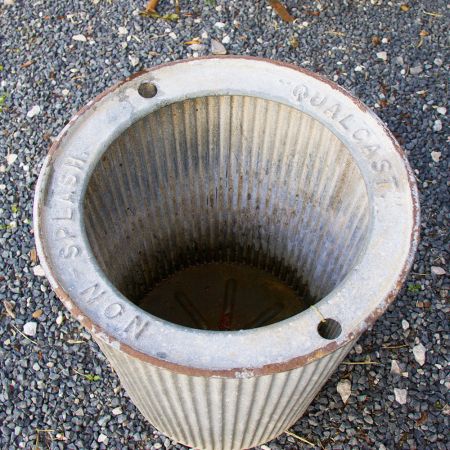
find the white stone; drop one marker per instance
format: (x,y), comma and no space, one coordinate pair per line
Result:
(382,55)
(441,110)
(226,40)
(395,368)
(358,349)
(134,60)
(34,111)
(217,48)
(38,271)
(79,38)
(359,68)
(30,328)
(10,158)
(419,352)
(401,395)
(36,367)
(344,389)
(102,438)
(60,319)
(173,35)
(157,445)
(9,2)
(415,70)
(437,126)
(197,47)
(117,411)
(436,157)
(436,270)
(65,92)
(122,31)
(405,324)
(219,25)
(438,61)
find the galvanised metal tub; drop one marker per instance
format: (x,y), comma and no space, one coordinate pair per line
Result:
(225,228)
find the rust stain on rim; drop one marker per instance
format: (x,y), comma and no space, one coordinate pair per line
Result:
(292,363)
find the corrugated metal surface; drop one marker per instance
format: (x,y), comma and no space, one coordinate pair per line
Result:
(221,413)
(260,177)
(227,178)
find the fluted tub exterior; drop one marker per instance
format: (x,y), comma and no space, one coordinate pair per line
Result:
(221,413)
(221,164)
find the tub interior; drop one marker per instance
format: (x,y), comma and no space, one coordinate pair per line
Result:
(226,212)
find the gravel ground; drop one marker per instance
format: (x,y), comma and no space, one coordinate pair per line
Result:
(56,55)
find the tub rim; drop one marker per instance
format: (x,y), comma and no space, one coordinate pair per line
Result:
(246,353)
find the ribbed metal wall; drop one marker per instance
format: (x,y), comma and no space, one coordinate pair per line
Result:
(227,178)
(221,413)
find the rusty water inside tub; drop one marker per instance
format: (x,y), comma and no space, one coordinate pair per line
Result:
(224,296)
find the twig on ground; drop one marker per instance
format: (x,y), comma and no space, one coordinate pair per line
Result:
(300,438)
(335,33)
(433,14)
(394,346)
(362,363)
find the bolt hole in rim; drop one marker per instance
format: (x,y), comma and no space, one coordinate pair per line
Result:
(329,329)
(147,90)
(79,278)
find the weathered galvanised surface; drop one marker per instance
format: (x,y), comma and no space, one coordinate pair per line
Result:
(239,160)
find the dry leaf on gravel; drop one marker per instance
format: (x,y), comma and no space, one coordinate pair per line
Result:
(33,255)
(9,308)
(38,313)
(281,10)
(151,6)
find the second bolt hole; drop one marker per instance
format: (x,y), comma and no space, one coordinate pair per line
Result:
(329,329)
